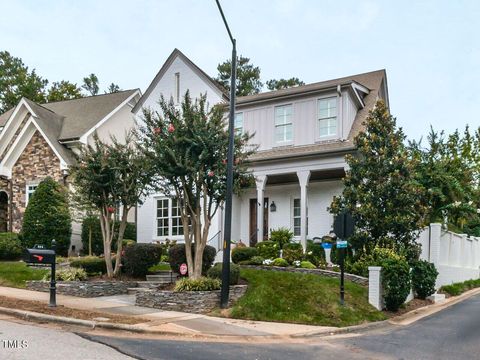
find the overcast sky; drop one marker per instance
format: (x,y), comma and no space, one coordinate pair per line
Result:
(430,49)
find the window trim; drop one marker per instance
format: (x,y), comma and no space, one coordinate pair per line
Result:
(238,130)
(317,121)
(292,209)
(284,142)
(27,192)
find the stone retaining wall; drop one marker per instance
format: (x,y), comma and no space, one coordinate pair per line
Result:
(197,302)
(353,278)
(85,289)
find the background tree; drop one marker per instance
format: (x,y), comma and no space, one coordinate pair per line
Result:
(108,175)
(17,81)
(113,88)
(47,217)
(90,84)
(187,149)
(380,187)
(63,90)
(284,83)
(248,76)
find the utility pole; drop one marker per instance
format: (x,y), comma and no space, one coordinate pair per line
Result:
(227,233)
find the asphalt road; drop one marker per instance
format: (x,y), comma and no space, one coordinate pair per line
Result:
(450,334)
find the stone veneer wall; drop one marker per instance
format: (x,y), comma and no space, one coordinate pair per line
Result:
(85,289)
(198,302)
(353,278)
(35,163)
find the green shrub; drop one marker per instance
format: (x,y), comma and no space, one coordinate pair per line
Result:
(215,272)
(292,252)
(47,217)
(280,262)
(453,289)
(128,242)
(307,265)
(396,282)
(268,249)
(177,257)
(91,225)
(281,236)
(359,266)
(201,284)
(315,253)
(139,258)
(424,276)
(256,260)
(72,274)
(91,264)
(10,247)
(243,254)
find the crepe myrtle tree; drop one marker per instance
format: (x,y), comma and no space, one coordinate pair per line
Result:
(108,175)
(187,148)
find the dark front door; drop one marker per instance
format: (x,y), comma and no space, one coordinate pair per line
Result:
(253,221)
(3,211)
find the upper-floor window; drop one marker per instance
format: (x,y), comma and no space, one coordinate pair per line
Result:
(327,117)
(283,124)
(30,190)
(238,123)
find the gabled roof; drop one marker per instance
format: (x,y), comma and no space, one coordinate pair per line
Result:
(373,81)
(177,53)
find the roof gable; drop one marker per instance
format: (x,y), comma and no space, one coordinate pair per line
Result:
(177,54)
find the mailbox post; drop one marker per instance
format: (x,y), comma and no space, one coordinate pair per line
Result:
(343,227)
(42,257)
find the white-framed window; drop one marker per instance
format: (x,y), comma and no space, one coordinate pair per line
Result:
(238,123)
(297,222)
(29,192)
(283,124)
(169,221)
(327,117)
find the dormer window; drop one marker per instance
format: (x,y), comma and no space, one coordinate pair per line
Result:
(238,123)
(283,124)
(327,117)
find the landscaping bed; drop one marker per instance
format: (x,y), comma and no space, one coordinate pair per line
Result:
(302,299)
(41,307)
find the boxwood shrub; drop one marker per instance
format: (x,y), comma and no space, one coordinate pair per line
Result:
(292,252)
(424,275)
(10,247)
(177,256)
(396,282)
(268,249)
(315,253)
(138,258)
(201,284)
(215,272)
(243,254)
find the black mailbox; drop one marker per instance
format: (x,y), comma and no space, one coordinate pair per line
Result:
(40,256)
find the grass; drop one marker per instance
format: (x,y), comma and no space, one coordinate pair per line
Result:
(459,288)
(15,274)
(302,299)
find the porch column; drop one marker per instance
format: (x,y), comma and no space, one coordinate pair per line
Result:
(261,182)
(303,178)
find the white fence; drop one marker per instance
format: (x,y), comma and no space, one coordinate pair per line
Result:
(456,257)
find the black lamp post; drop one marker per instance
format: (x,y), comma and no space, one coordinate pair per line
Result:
(227,234)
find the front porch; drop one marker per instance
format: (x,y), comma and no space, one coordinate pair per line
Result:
(296,200)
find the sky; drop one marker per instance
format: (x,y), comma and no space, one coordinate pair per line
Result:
(430,49)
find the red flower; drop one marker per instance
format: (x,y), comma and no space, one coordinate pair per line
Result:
(111,209)
(157,131)
(171,128)
(211,173)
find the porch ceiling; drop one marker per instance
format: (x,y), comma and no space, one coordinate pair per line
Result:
(316,175)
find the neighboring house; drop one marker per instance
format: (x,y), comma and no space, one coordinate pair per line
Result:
(37,141)
(303,135)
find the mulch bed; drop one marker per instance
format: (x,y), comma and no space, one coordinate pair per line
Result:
(60,310)
(412,305)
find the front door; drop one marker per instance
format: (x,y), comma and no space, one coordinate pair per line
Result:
(253,221)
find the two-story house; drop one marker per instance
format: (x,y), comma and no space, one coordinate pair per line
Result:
(303,134)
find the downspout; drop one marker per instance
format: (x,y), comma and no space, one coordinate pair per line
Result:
(10,215)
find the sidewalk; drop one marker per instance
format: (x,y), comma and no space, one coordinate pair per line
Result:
(170,321)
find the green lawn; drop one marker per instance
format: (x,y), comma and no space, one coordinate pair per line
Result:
(303,299)
(15,274)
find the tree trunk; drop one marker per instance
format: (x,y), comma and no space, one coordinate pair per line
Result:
(107,242)
(121,231)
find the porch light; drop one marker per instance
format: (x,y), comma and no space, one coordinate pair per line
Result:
(273,207)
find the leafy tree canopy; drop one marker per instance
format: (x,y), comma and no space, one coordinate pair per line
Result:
(248,76)
(90,84)
(284,83)
(63,90)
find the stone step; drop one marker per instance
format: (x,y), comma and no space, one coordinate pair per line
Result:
(163,278)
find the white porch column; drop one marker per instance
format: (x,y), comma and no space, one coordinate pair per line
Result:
(261,182)
(303,178)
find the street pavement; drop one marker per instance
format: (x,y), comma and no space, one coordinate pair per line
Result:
(452,334)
